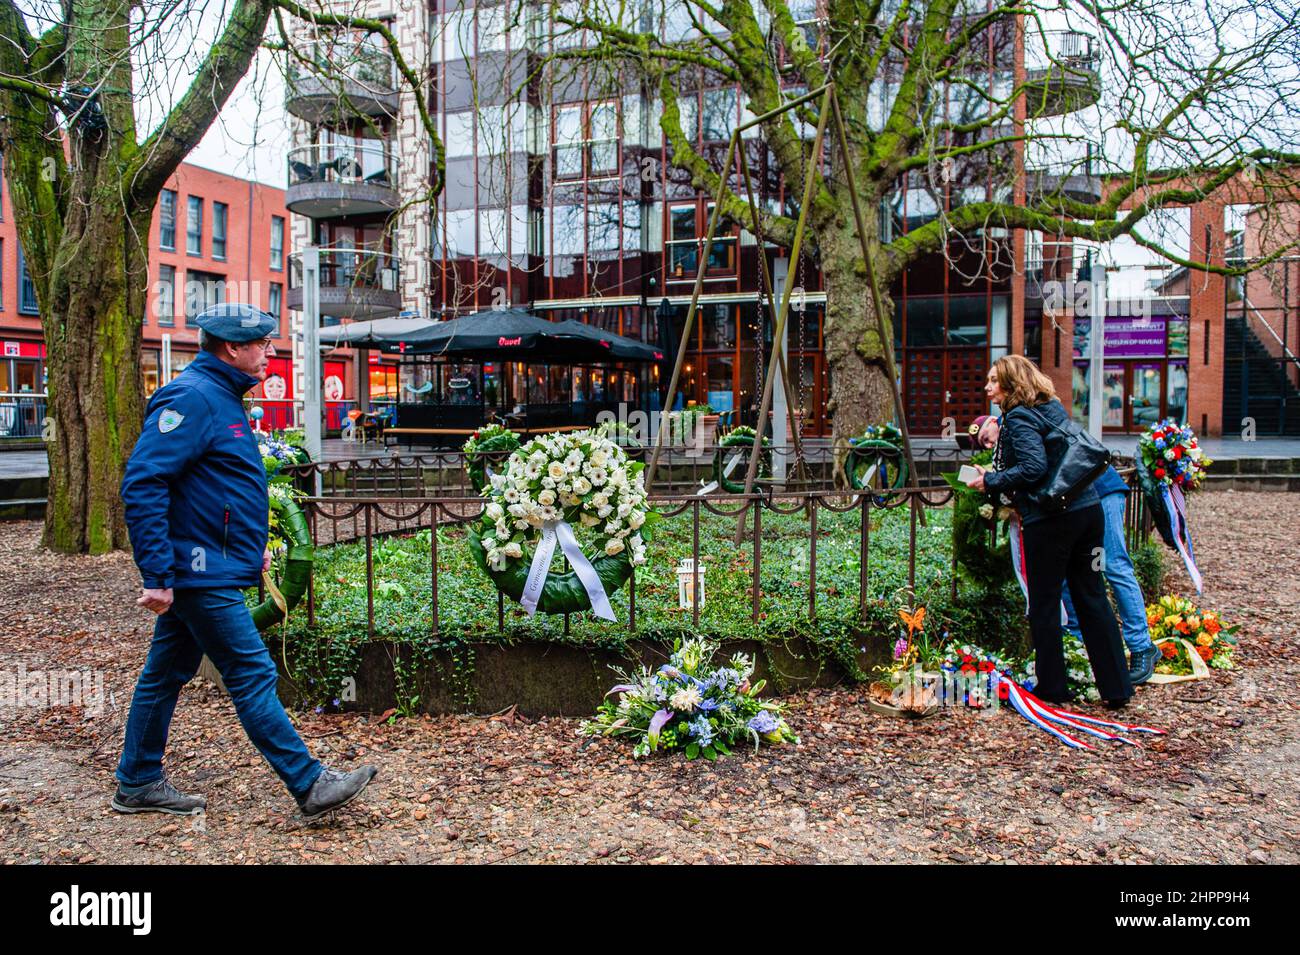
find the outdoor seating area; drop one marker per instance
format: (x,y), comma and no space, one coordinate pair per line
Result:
(507,366)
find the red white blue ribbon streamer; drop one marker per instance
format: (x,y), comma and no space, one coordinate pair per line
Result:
(1177,506)
(1021,567)
(1049,718)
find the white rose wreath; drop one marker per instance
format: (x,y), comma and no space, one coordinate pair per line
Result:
(552,488)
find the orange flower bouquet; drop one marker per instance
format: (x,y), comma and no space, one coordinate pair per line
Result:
(1174,619)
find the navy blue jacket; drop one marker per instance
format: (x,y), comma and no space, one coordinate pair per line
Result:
(1109,483)
(195,487)
(1029,449)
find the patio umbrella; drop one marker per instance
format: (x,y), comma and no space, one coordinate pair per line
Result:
(617,346)
(517,334)
(372,334)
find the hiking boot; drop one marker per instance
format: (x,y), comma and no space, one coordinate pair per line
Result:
(334,790)
(162,796)
(1143,664)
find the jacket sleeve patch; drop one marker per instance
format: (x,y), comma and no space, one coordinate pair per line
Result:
(169,420)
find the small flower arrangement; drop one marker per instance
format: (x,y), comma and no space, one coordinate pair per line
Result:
(977,667)
(1173,619)
(969,660)
(489,440)
(278,453)
(1079,680)
(486,434)
(691,705)
(1171,455)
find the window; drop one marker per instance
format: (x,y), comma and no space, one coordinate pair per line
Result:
(273,300)
(165,299)
(220,213)
(460,237)
(805,16)
(202,290)
(277,243)
(458,139)
(194,226)
(586,140)
(686,228)
(167,220)
(718,116)
(2,275)
(568,142)
(26,289)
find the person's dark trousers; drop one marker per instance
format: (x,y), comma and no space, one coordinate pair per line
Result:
(1069,546)
(216,622)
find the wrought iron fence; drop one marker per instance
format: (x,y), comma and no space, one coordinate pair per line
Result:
(683,469)
(343,520)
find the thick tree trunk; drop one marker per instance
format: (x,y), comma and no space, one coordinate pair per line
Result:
(92,330)
(83,191)
(860,392)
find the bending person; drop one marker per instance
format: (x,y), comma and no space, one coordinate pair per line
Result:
(1058,545)
(1116,563)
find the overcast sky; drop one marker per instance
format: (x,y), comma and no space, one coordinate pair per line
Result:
(251,134)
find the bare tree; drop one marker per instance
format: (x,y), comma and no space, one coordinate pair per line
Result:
(1119,110)
(84,182)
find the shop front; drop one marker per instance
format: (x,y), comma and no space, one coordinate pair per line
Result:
(22,389)
(275,395)
(1144,376)
(728,356)
(527,395)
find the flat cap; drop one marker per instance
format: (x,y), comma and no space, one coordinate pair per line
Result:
(236,322)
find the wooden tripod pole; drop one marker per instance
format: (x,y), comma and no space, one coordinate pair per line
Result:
(766,403)
(786,383)
(886,341)
(684,345)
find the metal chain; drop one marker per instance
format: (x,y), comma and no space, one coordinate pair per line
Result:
(803,312)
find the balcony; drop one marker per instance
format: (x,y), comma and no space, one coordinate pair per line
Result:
(1051,180)
(327,180)
(341,78)
(1061,72)
(354,283)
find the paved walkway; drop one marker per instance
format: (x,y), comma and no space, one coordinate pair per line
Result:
(23,464)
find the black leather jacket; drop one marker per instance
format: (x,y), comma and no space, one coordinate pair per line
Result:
(1029,448)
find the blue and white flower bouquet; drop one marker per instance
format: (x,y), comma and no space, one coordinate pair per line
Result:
(689,704)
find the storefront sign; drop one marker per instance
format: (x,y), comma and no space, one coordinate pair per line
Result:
(1125,338)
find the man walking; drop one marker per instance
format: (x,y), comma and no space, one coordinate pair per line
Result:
(196,508)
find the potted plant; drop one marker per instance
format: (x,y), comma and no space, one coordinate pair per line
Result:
(702,428)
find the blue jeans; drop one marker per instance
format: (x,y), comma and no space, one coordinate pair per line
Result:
(1122,579)
(215,622)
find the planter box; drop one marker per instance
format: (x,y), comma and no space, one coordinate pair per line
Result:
(552,679)
(703,436)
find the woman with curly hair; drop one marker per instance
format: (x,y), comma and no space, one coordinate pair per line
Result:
(1059,545)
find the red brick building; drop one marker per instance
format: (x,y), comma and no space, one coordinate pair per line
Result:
(214,238)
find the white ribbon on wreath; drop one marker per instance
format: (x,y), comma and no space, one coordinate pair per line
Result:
(553,531)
